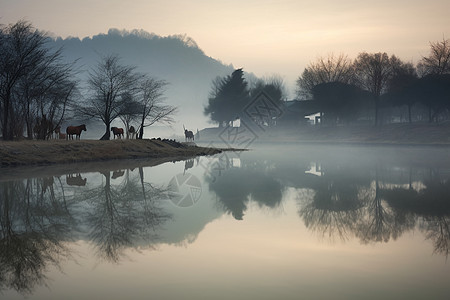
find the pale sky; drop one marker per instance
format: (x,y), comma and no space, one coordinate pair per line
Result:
(265,37)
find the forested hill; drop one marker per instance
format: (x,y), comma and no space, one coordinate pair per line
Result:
(176,59)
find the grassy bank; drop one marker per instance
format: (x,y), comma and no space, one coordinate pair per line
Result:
(44,153)
(26,153)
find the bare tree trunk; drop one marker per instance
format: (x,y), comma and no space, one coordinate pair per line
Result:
(7,135)
(141,128)
(107,134)
(141,132)
(376,113)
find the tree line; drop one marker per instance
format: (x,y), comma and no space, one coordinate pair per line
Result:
(374,87)
(38,90)
(346,90)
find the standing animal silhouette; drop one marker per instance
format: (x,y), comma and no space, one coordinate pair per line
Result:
(188,135)
(117,132)
(75,130)
(132,132)
(75,180)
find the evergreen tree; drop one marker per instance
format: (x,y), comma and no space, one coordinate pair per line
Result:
(227,101)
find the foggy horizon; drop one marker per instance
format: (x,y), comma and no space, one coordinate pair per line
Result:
(263,37)
(256,149)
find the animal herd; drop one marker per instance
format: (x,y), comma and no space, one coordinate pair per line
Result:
(77,180)
(118,133)
(76,131)
(70,132)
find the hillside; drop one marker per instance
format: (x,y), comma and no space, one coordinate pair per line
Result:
(176,59)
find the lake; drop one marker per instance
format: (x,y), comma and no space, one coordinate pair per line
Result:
(286,221)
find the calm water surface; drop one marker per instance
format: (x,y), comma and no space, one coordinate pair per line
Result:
(277,222)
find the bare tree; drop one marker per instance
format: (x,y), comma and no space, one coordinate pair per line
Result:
(130,112)
(373,72)
(20,47)
(438,61)
(45,94)
(108,82)
(151,104)
(273,85)
(399,86)
(330,69)
(33,80)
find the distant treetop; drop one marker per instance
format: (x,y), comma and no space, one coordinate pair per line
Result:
(140,33)
(185,40)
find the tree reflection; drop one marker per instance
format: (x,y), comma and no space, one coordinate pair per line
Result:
(341,206)
(236,186)
(37,220)
(123,215)
(437,229)
(232,192)
(335,208)
(378,224)
(370,201)
(437,217)
(34,223)
(344,204)
(431,205)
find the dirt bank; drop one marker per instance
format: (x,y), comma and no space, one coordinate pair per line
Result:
(38,153)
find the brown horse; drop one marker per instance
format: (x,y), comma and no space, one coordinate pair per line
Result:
(75,130)
(117,131)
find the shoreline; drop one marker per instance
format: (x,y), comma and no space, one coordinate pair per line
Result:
(60,169)
(14,154)
(68,155)
(357,143)
(401,134)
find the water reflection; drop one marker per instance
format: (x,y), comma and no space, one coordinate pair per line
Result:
(364,196)
(39,216)
(342,196)
(122,215)
(35,223)
(236,186)
(75,180)
(428,206)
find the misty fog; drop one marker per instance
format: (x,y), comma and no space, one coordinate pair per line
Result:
(176,59)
